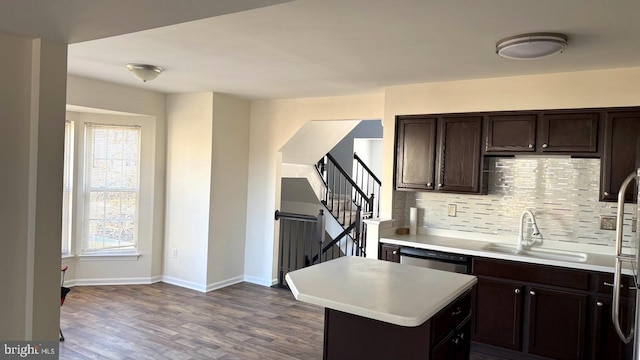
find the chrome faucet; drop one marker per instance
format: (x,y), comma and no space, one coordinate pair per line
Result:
(534,229)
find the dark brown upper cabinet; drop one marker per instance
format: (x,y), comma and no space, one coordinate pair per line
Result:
(573,132)
(621,133)
(439,152)
(511,133)
(415,152)
(459,154)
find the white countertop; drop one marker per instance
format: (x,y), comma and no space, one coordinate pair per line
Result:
(595,261)
(399,294)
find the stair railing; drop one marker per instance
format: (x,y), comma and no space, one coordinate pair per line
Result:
(368,182)
(339,186)
(335,248)
(301,237)
(346,201)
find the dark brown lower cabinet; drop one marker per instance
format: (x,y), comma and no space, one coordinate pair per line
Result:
(445,336)
(536,311)
(528,311)
(556,319)
(498,313)
(557,323)
(456,346)
(605,340)
(389,252)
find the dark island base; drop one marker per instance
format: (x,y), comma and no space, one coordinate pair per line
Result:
(348,336)
(444,337)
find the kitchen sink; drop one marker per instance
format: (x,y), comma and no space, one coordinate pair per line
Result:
(547,254)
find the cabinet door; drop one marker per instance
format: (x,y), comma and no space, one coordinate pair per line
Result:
(605,340)
(498,313)
(415,153)
(622,130)
(511,133)
(390,253)
(569,132)
(557,323)
(459,157)
(455,347)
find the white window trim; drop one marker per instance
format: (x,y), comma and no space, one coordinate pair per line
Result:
(111,255)
(88,190)
(146,206)
(69,171)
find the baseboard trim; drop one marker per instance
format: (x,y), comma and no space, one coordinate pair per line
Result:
(260,281)
(184,283)
(224,283)
(113,281)
(172,281)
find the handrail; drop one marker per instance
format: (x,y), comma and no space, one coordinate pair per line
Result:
(292,216)
(347,176)
(359,160)
(615,307)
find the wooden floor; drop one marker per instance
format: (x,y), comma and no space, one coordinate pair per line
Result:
(162,321)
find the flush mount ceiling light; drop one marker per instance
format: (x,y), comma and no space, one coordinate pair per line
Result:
(531,46)
(144,72)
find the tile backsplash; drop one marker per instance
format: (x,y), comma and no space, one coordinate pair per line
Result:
(562,193)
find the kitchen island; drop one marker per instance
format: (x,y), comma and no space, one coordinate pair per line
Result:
(382,310)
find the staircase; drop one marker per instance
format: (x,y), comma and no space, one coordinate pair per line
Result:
(345,199)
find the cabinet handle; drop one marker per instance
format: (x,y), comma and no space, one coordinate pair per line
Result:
(517,291)
(395,252)
(611,285)
(440,185)
(545,146)
(530,146)
(533,293)
(456,340)
(429,184)
(456,312)
(606,193)
(599,304)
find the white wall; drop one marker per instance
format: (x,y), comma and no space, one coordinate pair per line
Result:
(33,74)
(273,123)
(94,94)
(189,152)
(208,153)
(370,151)
(311,142)
(602,88)
(228,204)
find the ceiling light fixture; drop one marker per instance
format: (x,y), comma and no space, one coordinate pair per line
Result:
(531,46)
(144,72)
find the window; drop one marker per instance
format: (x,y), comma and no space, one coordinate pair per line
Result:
(67,192)
(111,187)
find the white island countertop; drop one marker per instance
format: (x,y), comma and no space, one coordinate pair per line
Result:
(398,294)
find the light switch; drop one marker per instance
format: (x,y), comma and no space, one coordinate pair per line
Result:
(453,210)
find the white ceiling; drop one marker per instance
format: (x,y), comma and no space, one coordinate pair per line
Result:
(309,48)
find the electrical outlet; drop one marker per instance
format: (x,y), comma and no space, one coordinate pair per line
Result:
(453,210)
(174,253)
(607,222)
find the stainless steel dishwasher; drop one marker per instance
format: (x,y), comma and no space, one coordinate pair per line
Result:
(438,260)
